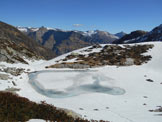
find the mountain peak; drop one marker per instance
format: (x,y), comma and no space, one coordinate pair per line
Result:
(120,34)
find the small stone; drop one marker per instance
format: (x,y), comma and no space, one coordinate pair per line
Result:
(149,80)
(95,109)
(28,69)
(14,83)
(81,109)
(151,110)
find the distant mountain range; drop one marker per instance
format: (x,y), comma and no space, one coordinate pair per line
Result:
(60,41)
(120,34)
(141,36)
(129,37)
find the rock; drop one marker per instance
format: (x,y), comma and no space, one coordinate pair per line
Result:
(129,61)
(14,71)
(81,109)
(12,90)
(96,46)
(14,83)
(95,109)
(3,58)
(149,80)
(71,113)
(156,110)
(70,65)
(4,77)
(28,70)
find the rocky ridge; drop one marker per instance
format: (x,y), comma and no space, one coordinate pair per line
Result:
(141,36)
(125,55)
(129,38)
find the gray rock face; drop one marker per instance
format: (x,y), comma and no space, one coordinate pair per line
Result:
(73,66)
(4,77)
(71,113)
(12,53)
(13,71)
(3,58)
(12,90)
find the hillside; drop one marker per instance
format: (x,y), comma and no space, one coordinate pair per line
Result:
(15,53)
(154,35)
(9,34)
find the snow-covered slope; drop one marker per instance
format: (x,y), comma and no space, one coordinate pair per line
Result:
(92,92)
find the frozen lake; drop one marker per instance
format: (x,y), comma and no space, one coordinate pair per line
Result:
(63,84)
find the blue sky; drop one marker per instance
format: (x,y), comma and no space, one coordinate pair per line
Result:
(108,15)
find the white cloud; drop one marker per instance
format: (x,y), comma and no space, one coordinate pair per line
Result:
(77,25)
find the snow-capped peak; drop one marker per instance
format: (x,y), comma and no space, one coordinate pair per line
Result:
(22,29)
(26,29)
(89,33)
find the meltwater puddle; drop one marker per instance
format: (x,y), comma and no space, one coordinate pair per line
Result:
(77,86)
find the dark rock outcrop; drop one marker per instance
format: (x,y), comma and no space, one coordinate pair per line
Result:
(129,38)
(154,35)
